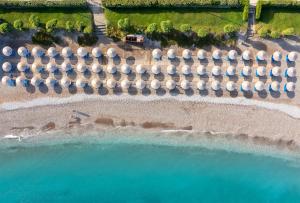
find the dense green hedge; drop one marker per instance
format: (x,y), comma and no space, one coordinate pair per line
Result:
(20,4)
(171,3)
(281,3)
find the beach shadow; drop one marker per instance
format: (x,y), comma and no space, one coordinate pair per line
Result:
(130,60)
(175,61)
(88,90)
(43,88)
(174,92)
(146,91)
(30,89)
(160,92)
(262,94)
(291,79)
(72,74)
(117,76)
(58,89)
(234,93)
(203,92)
(117,60)
(132,90)
(87,74)
(275,94)
(189,92)
(131,76)
(145,76)
(291,95)
(117,90)
(160,76)
(103,91)
(102,75)
(219,93)
(277,78)
(248,94)
(72,89)
(58,75)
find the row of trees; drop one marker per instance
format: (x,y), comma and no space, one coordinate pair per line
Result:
(275,34)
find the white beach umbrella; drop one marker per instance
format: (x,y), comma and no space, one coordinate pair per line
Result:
(125,84)
(7,51)
(81,67)
(201,54)
(232,55)
(185,84)
(23,52)
(246,86)
(52,52)
(67,52)
(20,80)
(215,85)
(21,66)
(246,71)
(261,55)
(292,56)
(275,86)
(231,86)
(186,69)
(170,84)
(125,68)
(277,56)
(140,84)
(171,54)
(96,83)
(111,83)
(51,82)
(201,85)
(140,69)
(216,71)
(6,66)
(290,86)
(231,70)
(291,72)
(186,54)
(36,67)
(96,68)
(157,54)
(217,54)
(111,69)
(201,70)
(80,83)
(36,81)
(246,55)
(259,86)
(111,53)
(5,80)
(171,69)
(155,84)
(37,52)
(51,67)
(155,69)
(96,52)
(65,82)
(66,66)
(82,52)
(261,71)
(276,71)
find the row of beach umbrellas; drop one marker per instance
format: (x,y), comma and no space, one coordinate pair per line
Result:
(156,69)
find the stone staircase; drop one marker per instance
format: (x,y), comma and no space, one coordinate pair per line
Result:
(98,16)
(251,22)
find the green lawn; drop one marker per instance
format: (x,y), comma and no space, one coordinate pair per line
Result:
(61,15)
(280,19)
(214,19)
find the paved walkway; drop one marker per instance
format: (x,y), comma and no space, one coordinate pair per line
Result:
(98,15)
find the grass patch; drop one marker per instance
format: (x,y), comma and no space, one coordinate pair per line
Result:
(280,19)
(62,15)
(213,19)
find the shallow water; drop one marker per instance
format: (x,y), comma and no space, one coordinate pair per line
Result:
(98,170)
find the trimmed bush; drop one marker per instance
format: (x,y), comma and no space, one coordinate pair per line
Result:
(263,32)
(185,28)
(202,32)
(34,21)
(44,38)
(79,26)
(152,28)
(230,28)
(246,13)
(258,9)
(4,28)
(51,25)
(124,24)
(166,26)
(87,40)
(18,24)
(70,26)
(288,32)
(88,30)
(275,34)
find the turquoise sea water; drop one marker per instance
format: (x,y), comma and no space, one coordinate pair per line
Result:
(130,172)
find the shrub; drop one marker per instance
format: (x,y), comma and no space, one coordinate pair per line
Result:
(124,24)
(44,38)
(51,25)
(79,26)
(34,21)
(114,33)
(87,40)
(152,28)
(246,13)
(258,9)
(275,34)
(185,28)
(4,28)
(263,32)
(202,32)
(88,30)
(288,31)
(70,26)
(166,26)
(230,28)
(18,24)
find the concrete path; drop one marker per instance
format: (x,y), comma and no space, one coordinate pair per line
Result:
(98,15)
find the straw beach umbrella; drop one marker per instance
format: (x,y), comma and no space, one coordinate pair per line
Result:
(67,52)
(82,52)
(156,54)
(22,67)
(215,85)
(125,68)
(7,51)
(246,86)
(111,69)
(111,83)
(125,84)
(186,69)
(261,55)
(171,54)
(201,85)
(246,55)
(231,86)
(52,52)
(140,69)
(274,86)
(51,82)
(201,54)
(186,54)
(81,68)
(201,70)
(36,81)
(292,56)
(275,72)
(261,71)
(111,53)
(96,68)
(37,52)
(66,66)
(277,56)
(65,82)
(185,84)
(170,84)
(140,84)
(96,83)
(23,52)
(216,71)
(6,67)
(217,54)
(290,72)
(155,69)
(80,83)
(51,67)
(232,55)
(290,87)
(171,69)
(231,70)
(246,71)
(96,52)
(259,86)
(155,84)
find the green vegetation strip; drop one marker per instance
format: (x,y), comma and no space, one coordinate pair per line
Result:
(21,4)
(211,19)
